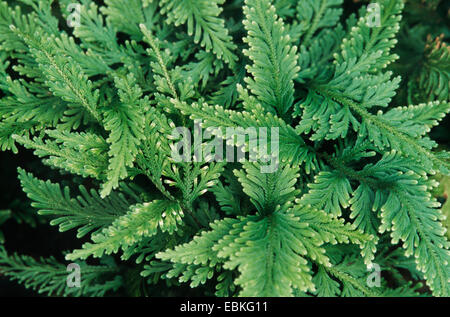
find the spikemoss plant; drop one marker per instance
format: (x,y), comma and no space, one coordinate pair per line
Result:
(98,99)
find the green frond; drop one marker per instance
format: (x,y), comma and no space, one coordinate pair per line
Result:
(331,230)
(201,70)
(231,197)
(197,275)
(274,263)
(82,153)
(48,276)
(154,155)
(412,216)
(292,147)
(338,102)
(227,95)
(88,211)
(274,60)
(26,109)
(314,57)
(203,23)
(225,286)
(329,192)
(193,180)
(365,39)
(125,122)
(126,15)
(314,16)
(361,206)
(10,41)
(67,81)
(327,286)
(419,120)
(434,77)
(443,191)
(164,80)
(200,250)
(269,191)
(398,190)
(43,10)
(351,274)
(336,165)
(142,220)
(282,241)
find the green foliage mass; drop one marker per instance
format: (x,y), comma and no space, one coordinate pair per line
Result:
(361,175)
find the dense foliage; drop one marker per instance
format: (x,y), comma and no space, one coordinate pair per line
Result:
(362,163)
